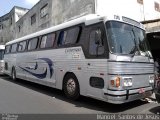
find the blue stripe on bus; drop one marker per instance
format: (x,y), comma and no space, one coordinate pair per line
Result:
(43,75)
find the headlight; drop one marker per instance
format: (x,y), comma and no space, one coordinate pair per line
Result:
(127,81)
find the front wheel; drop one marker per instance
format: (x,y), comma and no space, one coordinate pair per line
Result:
(71,87)
(158,98)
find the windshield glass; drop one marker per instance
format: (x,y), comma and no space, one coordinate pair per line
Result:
(1,54)
(126,39)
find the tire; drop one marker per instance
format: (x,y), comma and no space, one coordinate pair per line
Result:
(13,74)
(71,87)
(158,98)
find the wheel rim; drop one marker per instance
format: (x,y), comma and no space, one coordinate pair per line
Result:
(71,86)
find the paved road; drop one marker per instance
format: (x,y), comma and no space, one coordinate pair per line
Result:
(25,97)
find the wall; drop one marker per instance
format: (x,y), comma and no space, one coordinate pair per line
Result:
(8,21)
(58,11)
(129,8)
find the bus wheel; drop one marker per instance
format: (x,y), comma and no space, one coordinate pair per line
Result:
(158,98)
(13,74)
(71,87)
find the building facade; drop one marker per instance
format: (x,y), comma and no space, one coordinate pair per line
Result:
(7,24)
(47,13)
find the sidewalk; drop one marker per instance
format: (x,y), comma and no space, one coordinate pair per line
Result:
(153,97)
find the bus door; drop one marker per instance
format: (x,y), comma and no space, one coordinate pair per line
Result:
(97,63)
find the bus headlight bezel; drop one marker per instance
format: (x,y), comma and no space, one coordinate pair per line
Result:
(151,79)
(127,81)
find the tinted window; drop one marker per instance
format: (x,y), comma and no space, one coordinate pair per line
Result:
(1,54)
(32,44)
(72,35)
(127,39)
(47,41)
(22,46)
(62,38)
(7,49)
(13,48)
(96,46)
(69,36)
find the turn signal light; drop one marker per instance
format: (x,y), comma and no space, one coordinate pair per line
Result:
(112,83)
(117,81)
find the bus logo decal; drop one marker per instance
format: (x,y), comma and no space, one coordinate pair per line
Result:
(40,76)
(50,64)
(43,75)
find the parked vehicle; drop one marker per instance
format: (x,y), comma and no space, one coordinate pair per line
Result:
(103,57)
(157,88)
(2,48)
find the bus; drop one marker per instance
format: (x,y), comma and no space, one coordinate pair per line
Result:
(102,57)
(2,48)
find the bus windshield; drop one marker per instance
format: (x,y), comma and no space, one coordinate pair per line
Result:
(126,39)
(1,54)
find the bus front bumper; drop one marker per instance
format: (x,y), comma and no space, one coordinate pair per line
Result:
(123,96)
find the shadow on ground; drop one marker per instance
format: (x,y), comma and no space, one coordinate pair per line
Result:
(83,101)
(155,110)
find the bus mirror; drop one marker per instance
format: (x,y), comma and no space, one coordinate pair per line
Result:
(98,37)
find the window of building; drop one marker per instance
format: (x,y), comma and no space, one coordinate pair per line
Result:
(7,49)
(1,26)
(11,21)
(44,11)
(156,6)
(47,41)
(33,19)
(21,46)
(32,45)
(19,28)
(140,1)
(96,46)
(14,48)
(69,36)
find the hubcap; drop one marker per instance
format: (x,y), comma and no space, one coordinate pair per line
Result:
(71,86)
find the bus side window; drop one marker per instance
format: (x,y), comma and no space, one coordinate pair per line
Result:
(32,45)
(72,35)
(62,38)
(96,43)
(21,46)
(69,36)
(14,48)
(7,49)
(47,41)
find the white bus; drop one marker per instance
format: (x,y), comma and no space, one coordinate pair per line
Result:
(106,58)
(2,48)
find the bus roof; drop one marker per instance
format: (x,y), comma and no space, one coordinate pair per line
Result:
(87,20)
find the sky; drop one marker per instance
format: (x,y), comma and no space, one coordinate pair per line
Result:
(7,5)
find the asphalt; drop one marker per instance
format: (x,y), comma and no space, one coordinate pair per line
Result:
(22,97)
